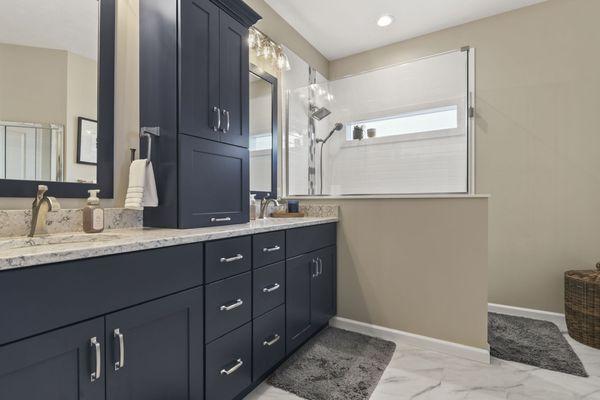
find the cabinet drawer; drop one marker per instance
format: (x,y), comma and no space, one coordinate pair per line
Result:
(228,368)
(268,341)
(310,238)
(228,257)
(268,248)
(227,305)
(268,289)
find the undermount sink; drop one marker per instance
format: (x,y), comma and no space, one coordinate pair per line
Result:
(13,243)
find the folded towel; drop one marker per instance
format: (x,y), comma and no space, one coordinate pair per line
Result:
(142,186)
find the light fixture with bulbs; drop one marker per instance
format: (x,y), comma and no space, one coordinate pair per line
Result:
(385,20)
(267,49)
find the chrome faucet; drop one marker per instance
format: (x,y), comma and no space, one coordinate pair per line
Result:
(40,208)
(264,204)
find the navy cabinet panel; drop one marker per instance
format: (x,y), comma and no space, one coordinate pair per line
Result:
(323,291)
(53,296)
(55,366)
(268,341)
(228,367)
(310,238)
(214,183)
(268,248)
(199,63)
(268,288)
(161,346)
(228,305)
(228,257)
(234,82)
(299,272)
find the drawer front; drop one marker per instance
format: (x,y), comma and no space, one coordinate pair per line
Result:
(228,368)
(310,238)
(227,305)
(228,257)
(268,341)
(268,289)
(268,248)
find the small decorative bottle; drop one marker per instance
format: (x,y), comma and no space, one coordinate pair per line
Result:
(93,215)
(253,207)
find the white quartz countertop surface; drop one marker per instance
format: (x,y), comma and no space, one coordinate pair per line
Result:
(19,252)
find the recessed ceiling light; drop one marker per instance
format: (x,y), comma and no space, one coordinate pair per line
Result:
(385,20)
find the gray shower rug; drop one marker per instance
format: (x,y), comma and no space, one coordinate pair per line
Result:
(532,342)
(335,365)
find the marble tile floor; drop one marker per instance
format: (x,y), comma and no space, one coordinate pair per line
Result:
(416,373)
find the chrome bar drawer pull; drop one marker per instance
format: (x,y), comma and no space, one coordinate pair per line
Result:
(232,306)
(120,338)
(232,259)
(220,219)
(271,249)
(271,288)
(238,364)
(270,342)
(97,357)
(216,119)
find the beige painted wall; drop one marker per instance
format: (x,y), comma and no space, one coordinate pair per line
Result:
(538,135)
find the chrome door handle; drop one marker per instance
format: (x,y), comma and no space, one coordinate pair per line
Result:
(227,121)
(271,288)
(315,268)
(120,338)
(232,306)
(217,116)
(271,249)
(220,219)
(97,363)
(238,364)
(272,341)
(232,259)
(320,261)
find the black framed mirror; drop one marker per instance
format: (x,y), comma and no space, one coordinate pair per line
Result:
(57,97)
(263,133)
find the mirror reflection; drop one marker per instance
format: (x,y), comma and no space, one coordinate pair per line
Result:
(261,134)
(48,90)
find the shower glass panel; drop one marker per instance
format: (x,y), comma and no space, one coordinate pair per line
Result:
(405,131)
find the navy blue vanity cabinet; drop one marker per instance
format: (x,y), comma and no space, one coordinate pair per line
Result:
(155,350)
(66,364)
(323,288)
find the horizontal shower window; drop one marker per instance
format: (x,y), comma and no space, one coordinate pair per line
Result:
(402,129)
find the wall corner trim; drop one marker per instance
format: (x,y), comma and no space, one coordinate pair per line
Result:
(424,342)
(555,318)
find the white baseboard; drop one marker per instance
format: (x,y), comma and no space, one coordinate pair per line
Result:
(556,318)
(424,342)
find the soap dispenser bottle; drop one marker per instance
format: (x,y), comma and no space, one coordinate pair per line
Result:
(253,206)
(93,215)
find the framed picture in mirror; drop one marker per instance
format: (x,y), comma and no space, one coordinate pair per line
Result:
(87,141)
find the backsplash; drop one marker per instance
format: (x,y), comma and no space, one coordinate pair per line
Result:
(18,222)
(320,210)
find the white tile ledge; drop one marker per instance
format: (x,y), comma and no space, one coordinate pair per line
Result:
(391,196)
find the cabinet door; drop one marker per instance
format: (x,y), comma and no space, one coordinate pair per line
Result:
(213,185)
(155,350)
(199,63)
(323,293)
(299,273)
(234,89)
(56,365)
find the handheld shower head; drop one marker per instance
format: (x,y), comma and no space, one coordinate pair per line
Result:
(337,127)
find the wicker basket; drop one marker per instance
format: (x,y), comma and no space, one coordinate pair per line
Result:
(582,306)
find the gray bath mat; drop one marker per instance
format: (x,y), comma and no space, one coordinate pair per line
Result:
(335,365)
(533,342)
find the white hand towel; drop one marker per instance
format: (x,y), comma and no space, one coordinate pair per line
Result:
(142,186)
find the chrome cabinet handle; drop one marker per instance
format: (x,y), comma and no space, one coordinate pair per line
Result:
(272,341)
(232,306)
(320,261)
(120,338)
(97,363)
(315,272)
(272,288)
(232,259)
(238,364)
(271,249)
(227,121)
(220,219)
(217,114)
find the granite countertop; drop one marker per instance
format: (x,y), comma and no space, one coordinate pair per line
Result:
(19,252)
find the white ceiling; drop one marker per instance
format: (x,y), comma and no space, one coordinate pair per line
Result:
(339,28)
(70,25)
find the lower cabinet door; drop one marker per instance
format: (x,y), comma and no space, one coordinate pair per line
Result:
(299,273)
(155,350)
(323,293)
(268,341)
(66,364)
(229,364)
